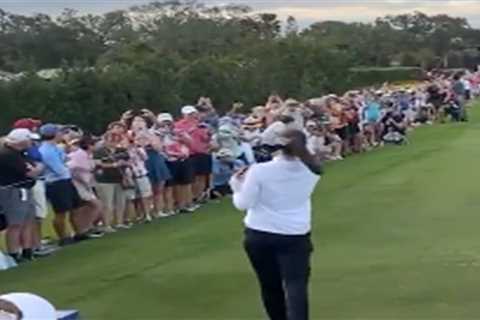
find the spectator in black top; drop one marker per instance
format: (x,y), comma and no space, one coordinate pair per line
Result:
(16,197)
(395,127)
(111,157)
(435,96)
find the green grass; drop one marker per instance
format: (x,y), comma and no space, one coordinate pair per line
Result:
(396,237)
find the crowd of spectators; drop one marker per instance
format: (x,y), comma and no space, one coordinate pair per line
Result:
(147,166)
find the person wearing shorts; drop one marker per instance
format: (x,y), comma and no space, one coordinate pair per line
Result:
(164,132)
(158,174)
(40,200)
(202,167)
(197,138)
(178,189)
(39,197)
(82,166)
(139,193)
(60,190)
(111,158)
(183,176)
(16,198)
(224,167)
(141,189)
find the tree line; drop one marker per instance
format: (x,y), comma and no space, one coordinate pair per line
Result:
(165,54)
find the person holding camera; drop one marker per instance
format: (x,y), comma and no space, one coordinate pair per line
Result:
(224,166)
(321,143)
(82,166)
(395,127)
(111,158)
(198,139)
(139,193)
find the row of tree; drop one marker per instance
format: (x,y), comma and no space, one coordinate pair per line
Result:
(191,30)
(164,54)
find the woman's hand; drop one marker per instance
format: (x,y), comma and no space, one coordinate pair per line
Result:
(240,174)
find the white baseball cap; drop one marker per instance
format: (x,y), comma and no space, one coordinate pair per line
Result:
(189,110)
(21,135)
(164,117)
(31,306)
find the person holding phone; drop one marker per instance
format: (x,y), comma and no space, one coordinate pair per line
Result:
(276,196)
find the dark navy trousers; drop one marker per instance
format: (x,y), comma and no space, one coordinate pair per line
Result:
(282,266)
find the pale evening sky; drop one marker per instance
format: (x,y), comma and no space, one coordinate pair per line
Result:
(305,11)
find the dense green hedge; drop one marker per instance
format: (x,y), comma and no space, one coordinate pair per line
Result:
(364,77)
(93,98)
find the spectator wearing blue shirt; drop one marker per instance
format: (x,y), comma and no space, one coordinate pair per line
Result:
(60,190)
(372,112)
(458,88)
(224,166)
(371,115)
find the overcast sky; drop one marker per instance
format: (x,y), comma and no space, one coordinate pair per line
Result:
(305,11)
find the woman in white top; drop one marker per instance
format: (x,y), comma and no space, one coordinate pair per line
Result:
(276,196)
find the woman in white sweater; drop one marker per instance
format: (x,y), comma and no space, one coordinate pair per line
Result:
(276,196)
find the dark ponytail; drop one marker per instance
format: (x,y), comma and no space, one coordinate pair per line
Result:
(297,147)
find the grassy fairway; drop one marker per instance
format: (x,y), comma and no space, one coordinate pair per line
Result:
(396,236)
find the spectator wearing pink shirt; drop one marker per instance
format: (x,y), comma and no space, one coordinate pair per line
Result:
(199,143)
(178,191)
(82,166)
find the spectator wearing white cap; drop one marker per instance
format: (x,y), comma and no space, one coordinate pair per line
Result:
(164,131)
(158,172)
(251,131)
(272,136)
(39,196)
(16,197)
(26,306)
(178,188)
(184,130)
(294,109)
(199,143)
